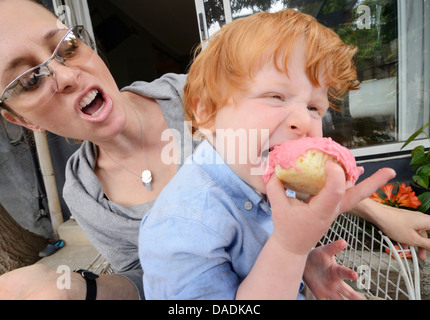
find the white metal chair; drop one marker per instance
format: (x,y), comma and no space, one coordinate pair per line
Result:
(100,265)
(389,276)
(382,275)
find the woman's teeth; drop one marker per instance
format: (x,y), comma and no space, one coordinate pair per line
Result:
(91,105)
(88,98)
(95,114)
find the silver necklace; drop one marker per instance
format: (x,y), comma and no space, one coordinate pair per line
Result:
(146,175)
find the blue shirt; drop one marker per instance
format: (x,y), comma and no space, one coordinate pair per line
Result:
(204,233)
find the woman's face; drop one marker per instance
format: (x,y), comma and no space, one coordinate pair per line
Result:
(83,105)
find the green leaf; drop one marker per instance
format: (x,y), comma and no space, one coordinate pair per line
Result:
(416,134)
(418,158)
(423,181)
(417,150)
(425,201)
(424,170)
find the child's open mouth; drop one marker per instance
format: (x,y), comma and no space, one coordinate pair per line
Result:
(265,155)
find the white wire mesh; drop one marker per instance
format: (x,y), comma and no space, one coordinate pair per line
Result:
(382,275)
(100,265)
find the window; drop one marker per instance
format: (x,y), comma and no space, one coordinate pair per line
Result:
(393,64)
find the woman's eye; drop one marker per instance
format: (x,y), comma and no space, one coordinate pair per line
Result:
(68,50)
(34,79)
(31,81)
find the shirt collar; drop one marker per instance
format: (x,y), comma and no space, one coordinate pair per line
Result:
(210,160)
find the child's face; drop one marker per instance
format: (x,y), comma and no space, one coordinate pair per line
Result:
(274,109)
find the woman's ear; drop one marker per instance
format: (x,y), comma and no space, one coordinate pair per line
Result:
(19,120)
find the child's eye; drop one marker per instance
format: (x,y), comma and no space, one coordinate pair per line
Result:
(316,110)
(276,96)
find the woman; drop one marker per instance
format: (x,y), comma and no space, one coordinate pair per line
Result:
(104,183)
(74,95)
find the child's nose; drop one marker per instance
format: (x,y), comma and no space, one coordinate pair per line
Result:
(299,122)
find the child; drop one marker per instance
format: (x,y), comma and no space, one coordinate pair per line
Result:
(213,233)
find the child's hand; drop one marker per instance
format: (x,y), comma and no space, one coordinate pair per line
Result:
(325,278)
(298,226)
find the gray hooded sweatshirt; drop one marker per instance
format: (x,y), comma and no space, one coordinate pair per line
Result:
(114,229)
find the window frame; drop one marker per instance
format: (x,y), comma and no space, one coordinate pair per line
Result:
(384,150)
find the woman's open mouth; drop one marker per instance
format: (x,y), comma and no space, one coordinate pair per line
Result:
(95,106)
(92,103)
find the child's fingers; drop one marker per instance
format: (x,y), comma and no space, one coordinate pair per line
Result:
(333,248)
(329,198)
(347,273)
(349,293)
(350,184)
(366,188)
(273,188)
(275,191)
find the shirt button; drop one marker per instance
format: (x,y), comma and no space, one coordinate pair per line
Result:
(248,205)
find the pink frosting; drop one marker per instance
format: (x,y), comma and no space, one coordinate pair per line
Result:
(286,154)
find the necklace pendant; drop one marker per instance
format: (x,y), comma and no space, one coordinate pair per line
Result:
(146,179)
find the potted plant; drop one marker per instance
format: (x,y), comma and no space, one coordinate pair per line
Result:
(420,162)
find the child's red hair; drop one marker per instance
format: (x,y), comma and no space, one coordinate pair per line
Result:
(227,60)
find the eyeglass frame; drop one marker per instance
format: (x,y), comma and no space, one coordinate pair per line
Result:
(44,65)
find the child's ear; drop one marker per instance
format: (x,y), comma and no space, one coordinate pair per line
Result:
(201,116)
(19,120)
(199,112)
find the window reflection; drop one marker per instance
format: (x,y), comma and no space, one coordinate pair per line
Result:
(393,62)
(215,18)
(242,8)
(367,116)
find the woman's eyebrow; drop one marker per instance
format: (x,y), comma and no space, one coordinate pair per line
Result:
(14,63)
(50,34)
(19,60)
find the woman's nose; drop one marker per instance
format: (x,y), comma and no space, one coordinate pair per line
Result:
(65,76)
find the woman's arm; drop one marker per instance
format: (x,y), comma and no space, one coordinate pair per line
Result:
(40,282)
(405,226)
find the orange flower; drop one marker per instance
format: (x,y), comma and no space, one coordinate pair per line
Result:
(404,198)
(375,196)
(407,198)
(388,189)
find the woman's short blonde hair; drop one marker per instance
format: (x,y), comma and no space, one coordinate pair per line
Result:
(228,59)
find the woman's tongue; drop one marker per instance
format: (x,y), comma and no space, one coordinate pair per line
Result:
(95,106)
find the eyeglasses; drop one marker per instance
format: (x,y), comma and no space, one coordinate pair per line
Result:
(34,86)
